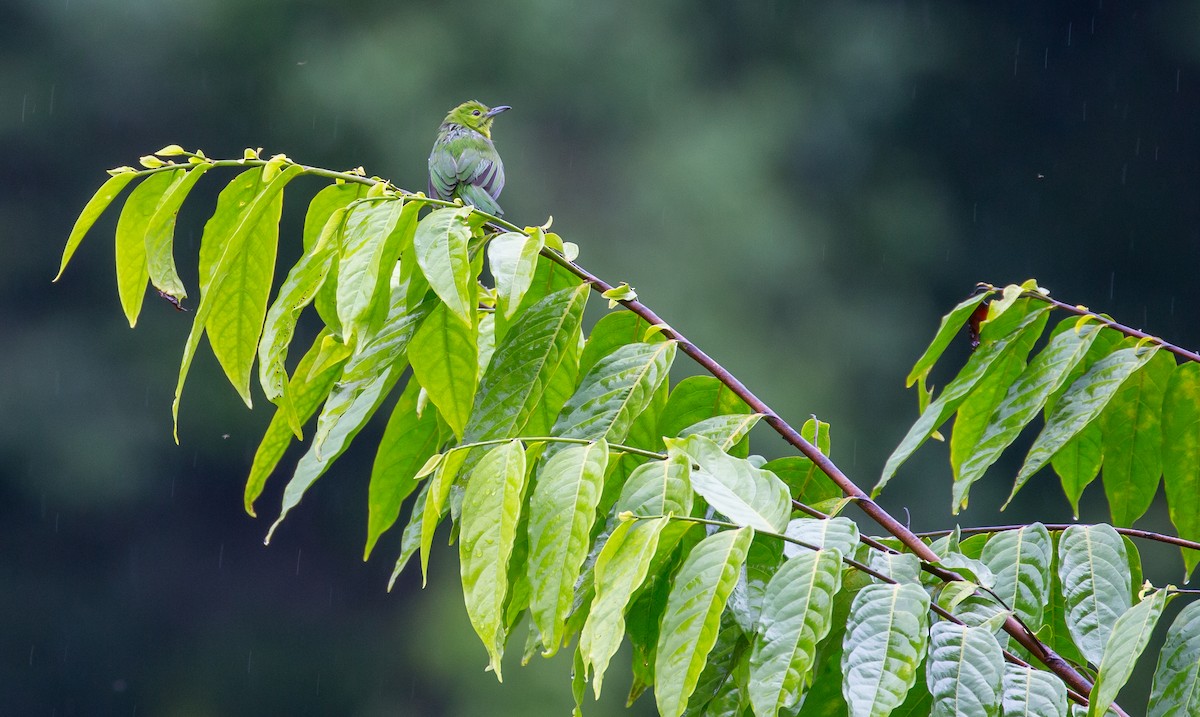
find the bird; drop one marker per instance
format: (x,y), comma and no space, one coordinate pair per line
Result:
(464,163)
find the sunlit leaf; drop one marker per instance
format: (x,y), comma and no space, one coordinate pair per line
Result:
(91,212)
(838,533)
(949,328)
(1020,561)
(620,570)
(989,355)
(132,270)
(693,615)
(1130,635)
(1021,404)
(160,234)
(445,363)
(491,512)
(440,245)
(614,329)
(695,399)
(307,391)
(374,235)
(512,259)
(796,613)
(1080,405)
(734,487)
(562,510)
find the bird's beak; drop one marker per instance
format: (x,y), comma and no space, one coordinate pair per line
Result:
(496,110)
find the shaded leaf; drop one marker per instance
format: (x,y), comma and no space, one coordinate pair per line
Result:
(409,439)
(1176,688)
(1132,425)
(884,644)
(1095,581)
(695,399)
(1033,693)
(964,670)
(1181,456)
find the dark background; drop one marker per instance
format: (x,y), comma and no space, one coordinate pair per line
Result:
(802,188)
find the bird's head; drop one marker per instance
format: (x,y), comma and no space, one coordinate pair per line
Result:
(475,115)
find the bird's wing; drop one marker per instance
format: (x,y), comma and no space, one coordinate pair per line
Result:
(443,172)
(479,165)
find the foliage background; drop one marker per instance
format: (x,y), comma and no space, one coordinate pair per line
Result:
(802,188)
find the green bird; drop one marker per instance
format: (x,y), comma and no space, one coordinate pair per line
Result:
(464,162)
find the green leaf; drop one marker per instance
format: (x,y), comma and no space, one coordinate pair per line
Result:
(1132,425)
(132,271)
(562,510)
(160,234)
(91,212)
(746,495)
(1020,561)
(307,390)
(723,687)
(408,441)
(1054,632)
(410,539)
(316,225)
(964,670)
(1023,401)
(441,251)
(512,258)
(988,356)
(1181,456)
(613,330)
(885,641)
(658,488)
(620,570)
(490,514)
(533,366)
(364,382)
(807,483)
(368,224)
(727,431)
(796,616)
(302,283)
(237,259)
(436,501)
(838,533)
(695,399)
(1129,638)
(1095,580)
(693,615)
(1077,463)
(612,394)
(950,326)
(901,567)
(1033,693)
(1176,689)
(1080,405)
(445,363)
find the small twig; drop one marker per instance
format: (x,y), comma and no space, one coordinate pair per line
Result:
(1115,325)
(1057,527)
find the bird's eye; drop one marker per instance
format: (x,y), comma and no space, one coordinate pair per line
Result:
(475,112)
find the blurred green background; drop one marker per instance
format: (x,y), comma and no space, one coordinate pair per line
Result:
(803,188)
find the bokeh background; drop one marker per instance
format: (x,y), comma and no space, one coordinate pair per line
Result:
(803,188)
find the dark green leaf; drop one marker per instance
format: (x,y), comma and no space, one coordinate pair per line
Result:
(445,363)
(1132,425)
(950,326)
(1176,689)
(1181,456)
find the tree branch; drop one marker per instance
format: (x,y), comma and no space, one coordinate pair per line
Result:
(1055,527)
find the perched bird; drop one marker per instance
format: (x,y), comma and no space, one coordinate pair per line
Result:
(464,162)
